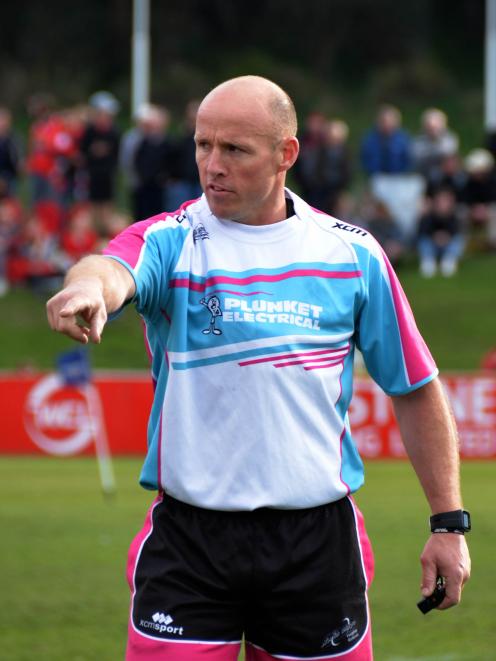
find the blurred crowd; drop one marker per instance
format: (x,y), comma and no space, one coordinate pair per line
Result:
(420,195)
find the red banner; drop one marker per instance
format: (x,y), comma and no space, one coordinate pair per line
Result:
(472,397)
(41,415)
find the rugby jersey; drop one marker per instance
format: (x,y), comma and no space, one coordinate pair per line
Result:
(251,332)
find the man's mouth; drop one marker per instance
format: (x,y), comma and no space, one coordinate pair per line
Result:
(218,189)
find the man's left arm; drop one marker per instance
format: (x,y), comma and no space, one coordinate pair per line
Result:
(429,434)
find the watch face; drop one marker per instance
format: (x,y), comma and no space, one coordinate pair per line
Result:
(466,520)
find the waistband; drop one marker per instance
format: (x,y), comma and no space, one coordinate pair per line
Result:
(260,513)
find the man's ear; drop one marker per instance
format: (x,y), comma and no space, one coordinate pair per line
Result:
(289,149)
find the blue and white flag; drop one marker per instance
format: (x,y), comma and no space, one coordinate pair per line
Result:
(74,367)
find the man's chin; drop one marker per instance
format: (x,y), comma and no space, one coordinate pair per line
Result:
(222,210)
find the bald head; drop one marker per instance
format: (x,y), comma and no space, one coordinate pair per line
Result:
(259,96)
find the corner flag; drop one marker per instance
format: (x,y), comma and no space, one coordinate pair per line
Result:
(75,369)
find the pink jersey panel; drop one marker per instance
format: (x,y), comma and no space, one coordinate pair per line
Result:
(418,360)
(127,245)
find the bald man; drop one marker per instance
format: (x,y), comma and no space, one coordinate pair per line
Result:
(253,304)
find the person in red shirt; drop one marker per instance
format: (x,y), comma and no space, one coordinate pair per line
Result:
(79,239)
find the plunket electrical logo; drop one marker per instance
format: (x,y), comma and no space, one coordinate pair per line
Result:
(162,623)
(296,313)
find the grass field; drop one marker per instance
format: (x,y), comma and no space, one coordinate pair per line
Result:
(63,551)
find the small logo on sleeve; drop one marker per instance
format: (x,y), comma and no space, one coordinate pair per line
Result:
(200,233)
(349,228)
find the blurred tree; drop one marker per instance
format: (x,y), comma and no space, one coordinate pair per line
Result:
(75,48)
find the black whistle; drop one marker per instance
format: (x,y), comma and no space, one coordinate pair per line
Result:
(433,600)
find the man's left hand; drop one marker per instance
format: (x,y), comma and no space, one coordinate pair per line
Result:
(445,554)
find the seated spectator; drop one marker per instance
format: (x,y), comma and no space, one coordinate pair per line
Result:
(479,195)
(450,174)
(440,237)
(434,142)
(385,154)
(50,215)
(376,218)
(488,361)
(10,152)
(79,238)
(386,147)
(36,259)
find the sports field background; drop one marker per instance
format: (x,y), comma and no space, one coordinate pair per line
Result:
(63,553)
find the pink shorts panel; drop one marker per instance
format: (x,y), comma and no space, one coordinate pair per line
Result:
(141,648)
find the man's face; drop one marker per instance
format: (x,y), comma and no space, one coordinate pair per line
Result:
(239,160)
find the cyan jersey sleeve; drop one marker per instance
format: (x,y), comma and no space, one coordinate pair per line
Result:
(393,349)
(149,250)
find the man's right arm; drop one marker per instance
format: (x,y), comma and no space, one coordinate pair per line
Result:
(93,288)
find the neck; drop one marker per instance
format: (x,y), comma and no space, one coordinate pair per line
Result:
(273,214)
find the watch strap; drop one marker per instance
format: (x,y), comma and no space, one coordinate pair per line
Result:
(457,521)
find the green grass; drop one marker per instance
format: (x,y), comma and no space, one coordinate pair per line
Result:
(28,342)
(456,317)
(63,552)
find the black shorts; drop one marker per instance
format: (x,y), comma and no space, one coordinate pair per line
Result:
(292,582)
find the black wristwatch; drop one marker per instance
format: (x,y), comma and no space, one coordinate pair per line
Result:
(457,521)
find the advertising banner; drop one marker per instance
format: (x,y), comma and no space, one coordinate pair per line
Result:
(41,414)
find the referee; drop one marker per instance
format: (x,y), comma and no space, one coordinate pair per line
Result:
(254,303)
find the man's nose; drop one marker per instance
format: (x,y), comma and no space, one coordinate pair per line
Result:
(215,163)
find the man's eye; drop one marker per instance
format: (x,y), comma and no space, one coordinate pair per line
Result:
(234,148)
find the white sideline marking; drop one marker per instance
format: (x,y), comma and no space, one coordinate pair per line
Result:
(445,657)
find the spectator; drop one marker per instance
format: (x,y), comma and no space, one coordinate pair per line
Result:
(99,154)
(386,147)
(127,149)
(79,238)
(377,218)
(184,181)
(49,142)
(10,153)
(334,169)
(10,223)
(306,166)
(75,120)
(479,195)
(386,158)
(324,165)
(37,260)
(434,142)
(440,237)
(450,174)
(490,142)
(151,164)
